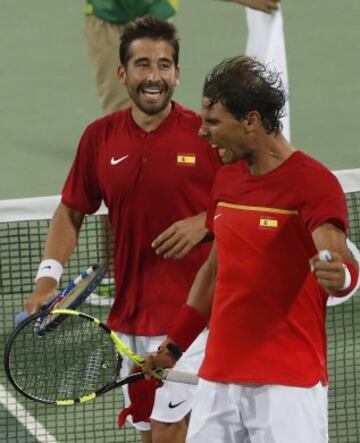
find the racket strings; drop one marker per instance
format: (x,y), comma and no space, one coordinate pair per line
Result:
(76,359)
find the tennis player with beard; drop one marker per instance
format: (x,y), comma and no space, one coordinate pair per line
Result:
(154,173)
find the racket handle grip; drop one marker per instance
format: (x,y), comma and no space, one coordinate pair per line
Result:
(177,376)
(20,317)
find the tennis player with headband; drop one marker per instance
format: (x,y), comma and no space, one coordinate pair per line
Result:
(154,173)
(280,220)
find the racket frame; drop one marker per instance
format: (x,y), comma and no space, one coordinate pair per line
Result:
(43,325)
(121,348)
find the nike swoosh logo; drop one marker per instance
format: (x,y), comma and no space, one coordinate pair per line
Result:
(218,215)
(46,267)
(175,405)
(115,161)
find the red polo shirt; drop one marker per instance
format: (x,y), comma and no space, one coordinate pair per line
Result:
(268,317)
(148,181)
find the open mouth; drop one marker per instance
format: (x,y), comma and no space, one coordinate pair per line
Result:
(152,93)
(219,148)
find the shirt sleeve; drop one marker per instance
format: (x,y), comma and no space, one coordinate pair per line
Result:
(323,201)
(81,190)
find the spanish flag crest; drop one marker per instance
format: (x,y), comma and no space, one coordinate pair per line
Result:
(266,222)
(186,159)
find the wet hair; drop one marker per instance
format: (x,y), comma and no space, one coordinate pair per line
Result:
(242,84)
(148,27)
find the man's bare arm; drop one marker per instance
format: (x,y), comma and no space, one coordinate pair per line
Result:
(200,298)
(202,291)
(60,243)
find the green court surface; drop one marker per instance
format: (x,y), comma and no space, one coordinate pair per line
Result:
(48,93)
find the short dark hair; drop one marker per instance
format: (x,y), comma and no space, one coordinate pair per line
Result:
(242,84)
(152,28)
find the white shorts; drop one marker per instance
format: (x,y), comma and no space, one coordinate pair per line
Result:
(173,401)
(258,414)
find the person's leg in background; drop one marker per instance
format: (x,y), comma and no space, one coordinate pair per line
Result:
(102,41)
(169,432)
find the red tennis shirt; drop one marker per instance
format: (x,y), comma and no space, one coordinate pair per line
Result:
(268,317)
(148,181)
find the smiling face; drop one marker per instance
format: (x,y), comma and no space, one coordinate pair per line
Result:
(150,74)
(230,136)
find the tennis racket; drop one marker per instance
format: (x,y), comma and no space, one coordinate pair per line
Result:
(76,362)
(69,298)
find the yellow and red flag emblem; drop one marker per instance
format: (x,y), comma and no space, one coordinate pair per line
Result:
(268,222)
(186,159)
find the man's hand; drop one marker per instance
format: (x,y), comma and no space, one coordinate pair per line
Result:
(330,274)
(267,6)
(44,291)
(177,240)
(162,359)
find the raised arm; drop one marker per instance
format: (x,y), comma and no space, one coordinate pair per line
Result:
(60,243)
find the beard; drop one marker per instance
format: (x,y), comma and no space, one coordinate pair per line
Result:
(151,103)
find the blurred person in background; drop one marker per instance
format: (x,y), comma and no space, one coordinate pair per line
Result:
(266,43)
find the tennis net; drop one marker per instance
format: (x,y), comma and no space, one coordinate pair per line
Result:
(23,227)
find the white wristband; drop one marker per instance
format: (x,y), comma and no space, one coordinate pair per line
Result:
(50,268)
(347,281)
(324,255)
